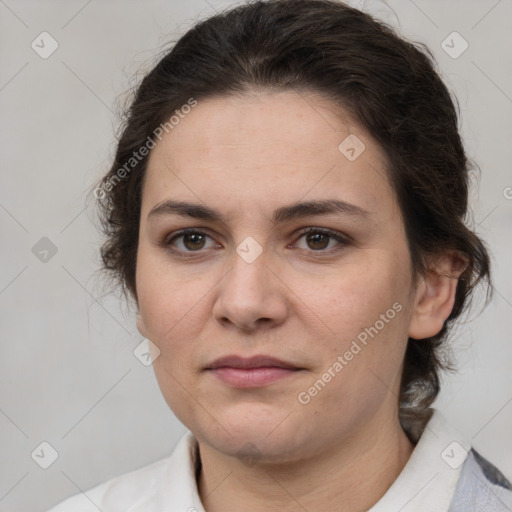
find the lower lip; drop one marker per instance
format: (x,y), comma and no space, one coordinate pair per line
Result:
(251,377)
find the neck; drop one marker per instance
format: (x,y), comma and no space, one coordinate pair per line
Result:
(350,476)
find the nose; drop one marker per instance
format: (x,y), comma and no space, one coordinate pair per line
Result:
(251,295)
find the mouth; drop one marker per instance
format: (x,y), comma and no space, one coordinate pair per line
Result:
(256,371)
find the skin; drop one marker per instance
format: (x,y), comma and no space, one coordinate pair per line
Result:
(302,302)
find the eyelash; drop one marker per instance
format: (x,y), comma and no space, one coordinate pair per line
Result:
(343,240)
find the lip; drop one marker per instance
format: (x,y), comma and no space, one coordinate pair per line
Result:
(251,372)
(258,361)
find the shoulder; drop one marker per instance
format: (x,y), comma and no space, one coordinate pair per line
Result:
(160,485)
(481,486)
(116,494)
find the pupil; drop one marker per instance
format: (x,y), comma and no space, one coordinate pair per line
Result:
(315,238)
(194,237)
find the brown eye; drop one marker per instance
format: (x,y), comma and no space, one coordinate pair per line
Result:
(318,240)
(187,241)
(193,241)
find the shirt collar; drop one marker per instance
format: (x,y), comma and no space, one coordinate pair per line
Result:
(179,478)
(427,482)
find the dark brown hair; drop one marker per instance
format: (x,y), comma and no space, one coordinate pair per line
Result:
(388,84)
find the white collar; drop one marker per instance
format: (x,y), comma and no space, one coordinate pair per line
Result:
(427,482)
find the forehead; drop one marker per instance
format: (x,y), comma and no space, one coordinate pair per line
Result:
(276,148)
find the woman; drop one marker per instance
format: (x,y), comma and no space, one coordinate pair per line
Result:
(286,210)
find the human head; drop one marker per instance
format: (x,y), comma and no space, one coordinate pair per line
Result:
(386,84)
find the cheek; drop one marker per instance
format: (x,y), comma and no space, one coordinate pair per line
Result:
(159,297)
(368,314)
(362,317)
(170,315)
(173,307)
(353,297)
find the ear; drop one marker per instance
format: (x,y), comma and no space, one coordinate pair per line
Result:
(435,295)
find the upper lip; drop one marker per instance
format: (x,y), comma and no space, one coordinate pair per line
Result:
(259,361)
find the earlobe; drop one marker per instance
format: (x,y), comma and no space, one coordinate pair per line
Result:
(435,296)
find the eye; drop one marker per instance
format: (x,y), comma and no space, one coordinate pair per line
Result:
(318,239)
(191,240)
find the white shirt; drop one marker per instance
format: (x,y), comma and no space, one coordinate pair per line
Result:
(443,474)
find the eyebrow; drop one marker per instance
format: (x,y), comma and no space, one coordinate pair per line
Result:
(283,214)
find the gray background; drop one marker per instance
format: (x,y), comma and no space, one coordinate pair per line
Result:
(68,374)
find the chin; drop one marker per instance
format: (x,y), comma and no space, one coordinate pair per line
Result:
(249,439)
(251,449)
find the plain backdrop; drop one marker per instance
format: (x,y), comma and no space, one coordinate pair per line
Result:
(68,374)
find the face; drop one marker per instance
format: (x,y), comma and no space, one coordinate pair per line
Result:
(333,306)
